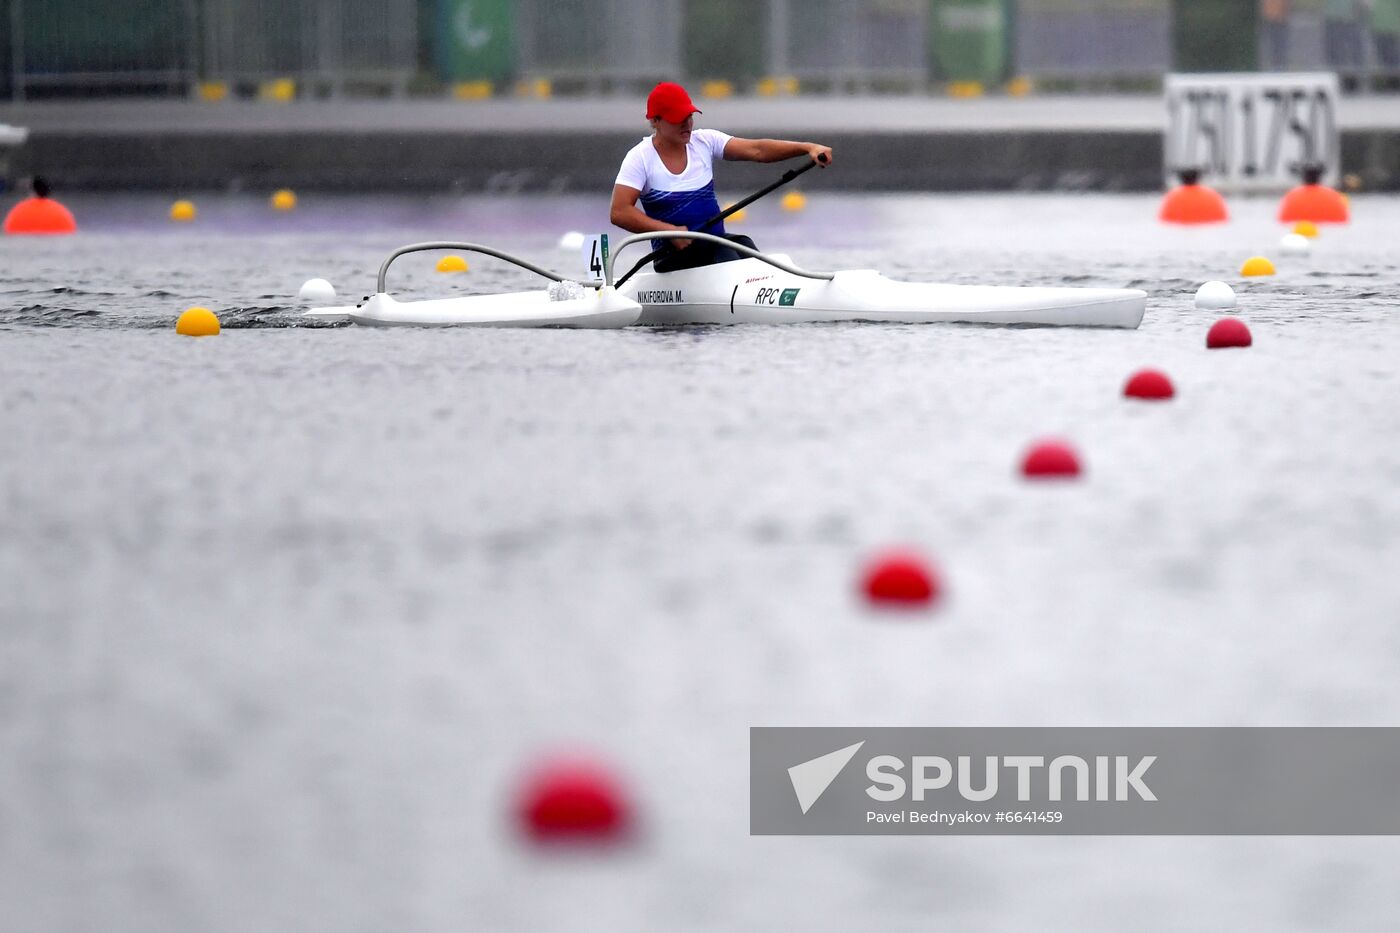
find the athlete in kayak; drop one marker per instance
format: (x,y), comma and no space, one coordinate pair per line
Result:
(672,172)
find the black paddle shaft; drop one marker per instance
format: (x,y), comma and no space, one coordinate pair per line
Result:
(788,176)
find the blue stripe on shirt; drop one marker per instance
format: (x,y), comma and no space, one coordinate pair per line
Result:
(687,209)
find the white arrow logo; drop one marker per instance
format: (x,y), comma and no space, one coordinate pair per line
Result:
(471,37)
(811,778)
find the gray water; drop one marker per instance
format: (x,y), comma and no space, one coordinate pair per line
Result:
(286,614)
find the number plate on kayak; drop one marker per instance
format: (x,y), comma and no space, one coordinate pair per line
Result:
(595,254)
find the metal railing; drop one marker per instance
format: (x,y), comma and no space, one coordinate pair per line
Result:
(850,44)
(1092,42)
(172,45)
(600,46)
(598,42)
(326,43)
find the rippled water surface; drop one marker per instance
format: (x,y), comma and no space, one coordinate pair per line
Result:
(285,614)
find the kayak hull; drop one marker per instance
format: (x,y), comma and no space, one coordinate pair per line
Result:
(597,309)
(750,291)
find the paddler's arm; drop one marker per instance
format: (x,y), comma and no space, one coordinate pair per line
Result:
(626,214)
(739,149)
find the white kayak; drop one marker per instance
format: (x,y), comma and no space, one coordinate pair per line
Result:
(750,291)
(758,289)
(598,308)
(571,306)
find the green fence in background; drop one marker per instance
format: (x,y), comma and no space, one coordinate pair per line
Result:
(728,38)
(970,40)
(133,41)
(614,46)
(474,40)
(1215,35)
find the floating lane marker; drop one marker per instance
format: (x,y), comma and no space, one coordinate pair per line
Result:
(182,212)
(1256,266)
(39,216)
(1150,385)
(1051,460)
(1215,296)
(573,802)
(1228,333)
(1193,203)
(900,579)
(197,322)
(284,200)
(316,290)
(452,264)
(1316,203)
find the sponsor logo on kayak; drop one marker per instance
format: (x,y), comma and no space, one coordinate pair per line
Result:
(782,297)
(660,297)
(1074,781)
(757,278)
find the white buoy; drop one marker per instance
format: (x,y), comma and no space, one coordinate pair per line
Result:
(316,290)
(1294,244)
(1215,296)
(572,240)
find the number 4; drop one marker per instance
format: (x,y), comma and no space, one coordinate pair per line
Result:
(597,254)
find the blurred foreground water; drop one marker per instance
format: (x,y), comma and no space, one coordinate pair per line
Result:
(286,613)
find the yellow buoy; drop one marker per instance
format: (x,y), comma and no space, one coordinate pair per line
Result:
(1306,228)
(197,322)
(452,264)
(1020,87)
(473,90)
(775,85)
(541,88)
(212,91)
(182,211)
(966,89)
(1257,265)
(737,217)
(280,90)
(284,200)
(794,201)
(717,90)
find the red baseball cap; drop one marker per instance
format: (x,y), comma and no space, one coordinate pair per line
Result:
(670,102)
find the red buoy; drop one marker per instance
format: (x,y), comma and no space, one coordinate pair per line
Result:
(1050,460)
(1193,202)
(1228,332)
(1149,384)
(1318,204)
(573,801)
(39,216)
(900,579)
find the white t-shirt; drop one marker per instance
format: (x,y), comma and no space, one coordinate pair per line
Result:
(687,199)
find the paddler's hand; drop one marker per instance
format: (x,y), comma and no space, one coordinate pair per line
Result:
(820,154)
(679,243)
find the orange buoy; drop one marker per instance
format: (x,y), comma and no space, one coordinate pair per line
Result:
(38,216)
(1193,202)
(1313,201)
